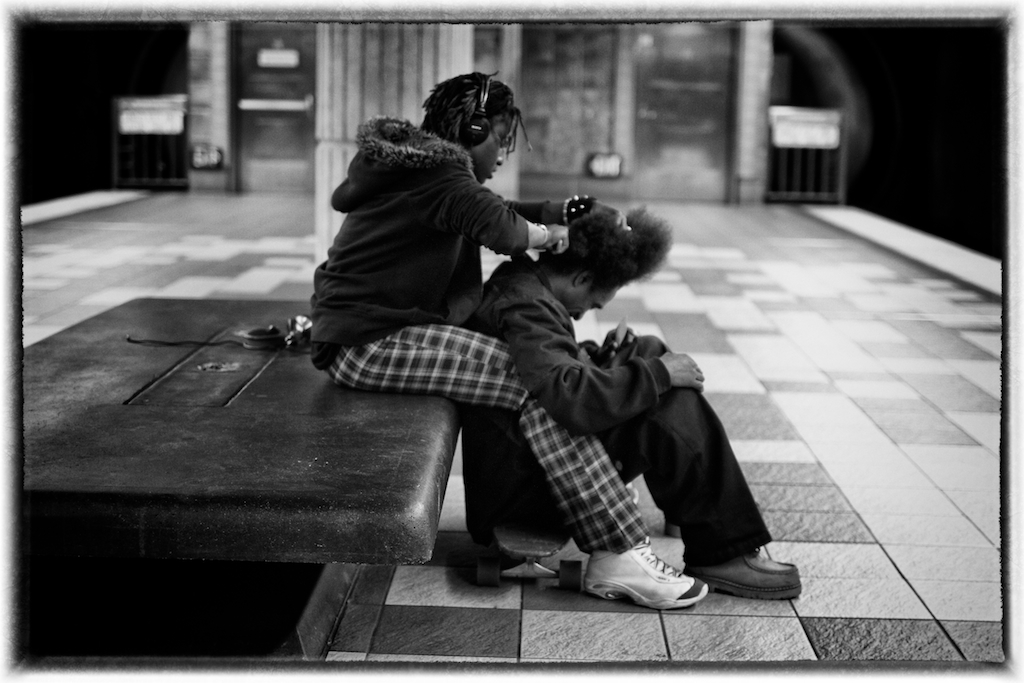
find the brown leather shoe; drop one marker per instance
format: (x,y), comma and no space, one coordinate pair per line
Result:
(751,576)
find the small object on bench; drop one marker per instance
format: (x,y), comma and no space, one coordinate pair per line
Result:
(220,453)
(529,545)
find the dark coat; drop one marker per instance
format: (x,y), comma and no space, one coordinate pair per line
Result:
(408,249)
(519,308)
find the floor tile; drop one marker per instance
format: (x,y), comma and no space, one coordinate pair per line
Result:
(34,333)
(440,659)
(946,343)
(894,475)
(979,641)
(771,451)
(992,342)
(960,600)
(751,416)
(592,636)
(874,389)
(544,594)
(828,418)
(952,393)
(908,366)
(447,631)
(736,639)
(858,598)
(449,587)
(817,526)
(982,508)
(726,374)
(879,640)
(372,584)
(194,287)
(925,530)
(346,657)
(946,563)
(889,351)
(456,549)
(869,331)
(692,333)
(355,631)
(826,348)
(453,510)
(880,406)
(970,468)
(836,560)
(919,427)
(115,296)
(784,473)
(776,358)
(735,314)
(722,604)
(796,279)
(669,297)
(762,296)
(799,498)
(985,374)
(900,501)
(982,427)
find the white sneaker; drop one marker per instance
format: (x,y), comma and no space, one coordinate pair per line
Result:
(638,574)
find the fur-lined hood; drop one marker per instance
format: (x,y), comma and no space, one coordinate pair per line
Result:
(390,149)
(397,142)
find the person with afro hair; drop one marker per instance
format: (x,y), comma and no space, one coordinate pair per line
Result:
(642,401)
(404,275)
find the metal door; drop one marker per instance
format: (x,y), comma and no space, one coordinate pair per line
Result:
(683,80)
(276,78)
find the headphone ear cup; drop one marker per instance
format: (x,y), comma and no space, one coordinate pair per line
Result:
(476,130)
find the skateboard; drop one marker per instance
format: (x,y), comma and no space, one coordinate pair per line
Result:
(529,545)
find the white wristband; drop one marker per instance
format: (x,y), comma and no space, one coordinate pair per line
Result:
(547,235)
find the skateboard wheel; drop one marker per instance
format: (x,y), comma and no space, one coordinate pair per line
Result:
(488,571)
(570,575)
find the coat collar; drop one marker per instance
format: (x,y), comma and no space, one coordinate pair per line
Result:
(396,142)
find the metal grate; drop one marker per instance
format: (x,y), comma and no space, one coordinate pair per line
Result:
(806,156)
(150,142)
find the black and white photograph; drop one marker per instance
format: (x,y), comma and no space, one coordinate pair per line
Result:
(512,340)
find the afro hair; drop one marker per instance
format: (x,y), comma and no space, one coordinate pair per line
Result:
(612,255)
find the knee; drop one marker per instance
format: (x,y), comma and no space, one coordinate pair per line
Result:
(649,346)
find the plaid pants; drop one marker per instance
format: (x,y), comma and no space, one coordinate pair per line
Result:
(472,368)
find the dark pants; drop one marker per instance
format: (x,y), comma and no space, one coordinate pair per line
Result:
(679,446)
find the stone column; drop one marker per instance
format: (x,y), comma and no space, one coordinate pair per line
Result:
(365,70)
(209,100)
(753,90)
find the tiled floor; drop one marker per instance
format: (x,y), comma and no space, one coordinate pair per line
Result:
(861,391)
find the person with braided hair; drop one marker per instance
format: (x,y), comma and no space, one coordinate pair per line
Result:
(642,401)
(404,275)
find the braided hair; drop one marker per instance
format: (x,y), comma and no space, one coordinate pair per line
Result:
(451,104)
(613,256)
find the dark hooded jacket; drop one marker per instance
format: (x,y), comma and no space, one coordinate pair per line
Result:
(408,249)
(519,308)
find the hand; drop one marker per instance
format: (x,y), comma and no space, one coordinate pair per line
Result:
(604,208)
(558,239)
(684,371)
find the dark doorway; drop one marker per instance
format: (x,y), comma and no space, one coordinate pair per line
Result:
(276,81)
(68,75)
(929,103)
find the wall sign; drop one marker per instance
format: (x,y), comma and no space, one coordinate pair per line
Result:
(207,157)
(277,58)
(164,115)
(604,165)
(804,127)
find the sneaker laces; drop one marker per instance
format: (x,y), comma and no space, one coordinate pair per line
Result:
(645,551)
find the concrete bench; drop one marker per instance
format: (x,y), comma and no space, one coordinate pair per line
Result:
(167,453)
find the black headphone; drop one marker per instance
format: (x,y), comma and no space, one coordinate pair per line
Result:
(477,129)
